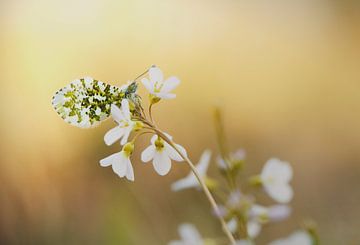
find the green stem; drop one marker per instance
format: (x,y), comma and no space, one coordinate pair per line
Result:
(203,186)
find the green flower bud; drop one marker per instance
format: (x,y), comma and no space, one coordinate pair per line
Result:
(138,125)
(255,181)
(154,99)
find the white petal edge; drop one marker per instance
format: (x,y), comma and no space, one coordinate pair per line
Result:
(113,135)
(155,74)
(148,154)
(130,171)
(116,113)
(185,183)
(107,161)
(148,85)
(204,161)
(170,84)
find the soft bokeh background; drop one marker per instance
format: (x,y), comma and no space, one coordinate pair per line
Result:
(286,74)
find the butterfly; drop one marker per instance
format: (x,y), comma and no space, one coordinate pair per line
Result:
(86,102)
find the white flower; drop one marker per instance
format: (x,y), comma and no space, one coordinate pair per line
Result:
(125,124)
(162,153)
(238,155)
(120,162)
(259,215)
(273,213)
(235,198)
(275,178)
(189,236)
(157,86)
(297,238)
(190,180)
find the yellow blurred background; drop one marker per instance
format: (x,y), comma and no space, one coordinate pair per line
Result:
(287,74)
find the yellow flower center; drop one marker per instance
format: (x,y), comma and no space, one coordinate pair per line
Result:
(128,148)
(159,144)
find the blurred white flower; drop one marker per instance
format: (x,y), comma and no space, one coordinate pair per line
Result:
(125,124)
(232,225)
(259,215)
(157,86)
(275,178)
(278,212)
(297,238)
(162,153)
(238,155)
(189,236)
(120,162)
(221,163)
(273,213)
(190,180)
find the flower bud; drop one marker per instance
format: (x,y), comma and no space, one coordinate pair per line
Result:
(255,181)
(138,125)
(154,99)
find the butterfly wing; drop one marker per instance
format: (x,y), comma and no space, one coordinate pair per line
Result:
(86,102)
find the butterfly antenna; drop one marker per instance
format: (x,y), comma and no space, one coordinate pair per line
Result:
(142,74)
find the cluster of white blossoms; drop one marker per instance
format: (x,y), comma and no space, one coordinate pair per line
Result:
(245,217)
(86,102)
(189,235)
(160,152)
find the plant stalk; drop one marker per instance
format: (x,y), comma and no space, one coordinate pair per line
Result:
(207,192)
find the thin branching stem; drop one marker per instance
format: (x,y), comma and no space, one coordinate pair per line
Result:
(207,192)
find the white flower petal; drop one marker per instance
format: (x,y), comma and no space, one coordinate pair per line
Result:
(116,157)
(297,238)
(148,154)
(148,85)
(232,225)
(187,182)
(254,228)
(165,96)
(113,135)
(170,84)
(125,109)
(116,113)
(280,192)
(162,163)
(155,75)
(278,170)
(279,212)
(190,234)
(153,139)
(204,161)
(120,166)
(127,132)
(130,171)
(172,153)
(258,210)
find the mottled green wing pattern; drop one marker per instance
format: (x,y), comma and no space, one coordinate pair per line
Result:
(86,102)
